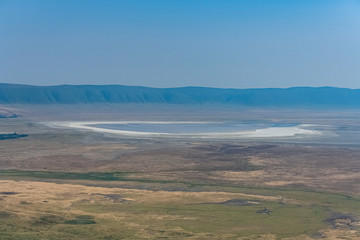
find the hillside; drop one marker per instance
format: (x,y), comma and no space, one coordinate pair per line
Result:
(267,97)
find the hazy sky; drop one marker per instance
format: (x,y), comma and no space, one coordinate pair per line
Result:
(170,43)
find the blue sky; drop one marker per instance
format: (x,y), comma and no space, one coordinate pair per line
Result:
(171,43)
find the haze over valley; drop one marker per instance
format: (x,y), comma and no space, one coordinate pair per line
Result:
(139,119)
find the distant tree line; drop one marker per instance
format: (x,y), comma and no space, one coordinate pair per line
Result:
(5,136)
(8,116)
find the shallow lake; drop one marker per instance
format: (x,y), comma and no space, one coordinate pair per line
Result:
(186,128)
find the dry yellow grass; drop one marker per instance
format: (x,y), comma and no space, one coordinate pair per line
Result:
(34,199)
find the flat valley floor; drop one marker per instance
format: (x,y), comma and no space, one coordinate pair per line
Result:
(60,183)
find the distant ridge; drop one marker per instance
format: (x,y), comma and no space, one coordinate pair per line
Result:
(266,97)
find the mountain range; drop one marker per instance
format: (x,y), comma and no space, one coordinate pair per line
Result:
(265,97)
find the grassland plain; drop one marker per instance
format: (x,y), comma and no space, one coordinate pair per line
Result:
(43,210)
(66,184)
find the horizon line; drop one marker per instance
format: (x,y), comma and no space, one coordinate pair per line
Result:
(123,85)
